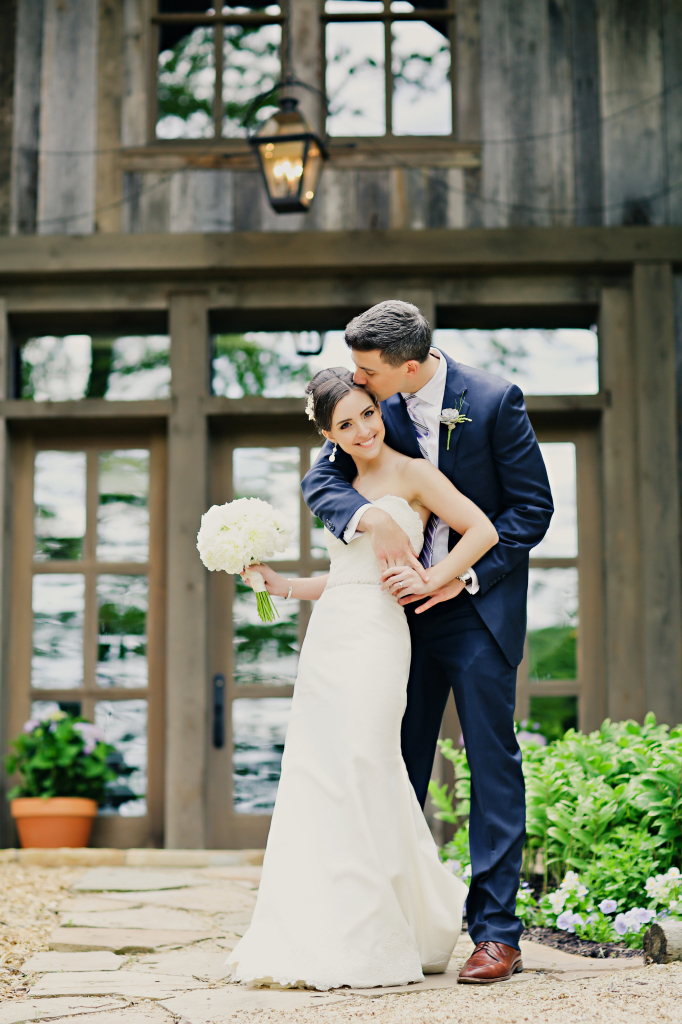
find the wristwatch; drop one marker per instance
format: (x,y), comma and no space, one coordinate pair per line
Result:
(466,578)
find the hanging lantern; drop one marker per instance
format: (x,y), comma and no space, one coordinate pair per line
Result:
(290,156)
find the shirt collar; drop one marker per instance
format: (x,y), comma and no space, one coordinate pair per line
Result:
(433,391)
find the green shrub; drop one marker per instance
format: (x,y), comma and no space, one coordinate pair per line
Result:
(63,755)
(605,808)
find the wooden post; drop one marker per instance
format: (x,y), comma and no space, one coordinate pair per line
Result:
(186,735)
(5,821)
(305,47)
(659,501)
(663,942)
(622,544)
(110,73)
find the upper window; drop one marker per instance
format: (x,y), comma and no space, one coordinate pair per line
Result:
(388,67)
(212,64)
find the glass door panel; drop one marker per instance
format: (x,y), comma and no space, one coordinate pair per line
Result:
(82,516)
(257,661)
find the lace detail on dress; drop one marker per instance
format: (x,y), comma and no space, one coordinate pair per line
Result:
(356,562)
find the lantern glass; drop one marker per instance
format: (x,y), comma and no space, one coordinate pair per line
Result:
(291,159)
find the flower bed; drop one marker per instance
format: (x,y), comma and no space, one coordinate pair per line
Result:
(604,830)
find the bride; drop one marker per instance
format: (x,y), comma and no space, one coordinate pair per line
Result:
(353,892)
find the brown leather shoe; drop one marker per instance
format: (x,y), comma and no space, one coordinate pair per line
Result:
(490,962)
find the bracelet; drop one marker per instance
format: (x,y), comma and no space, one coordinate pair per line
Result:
(291,587)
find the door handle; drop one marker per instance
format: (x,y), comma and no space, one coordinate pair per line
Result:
(218,711)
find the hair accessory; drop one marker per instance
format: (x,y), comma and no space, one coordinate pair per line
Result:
(310,408)
(332,457)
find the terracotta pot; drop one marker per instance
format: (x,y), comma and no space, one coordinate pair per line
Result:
(55,822)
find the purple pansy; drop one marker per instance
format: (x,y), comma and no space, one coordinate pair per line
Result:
(608,906)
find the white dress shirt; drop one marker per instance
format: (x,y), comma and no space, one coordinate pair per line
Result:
(430,407)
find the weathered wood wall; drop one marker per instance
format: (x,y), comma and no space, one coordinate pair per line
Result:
(577,105)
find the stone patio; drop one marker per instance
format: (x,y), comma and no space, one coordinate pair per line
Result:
(134,942)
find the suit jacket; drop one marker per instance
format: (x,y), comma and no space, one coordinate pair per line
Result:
(495,461)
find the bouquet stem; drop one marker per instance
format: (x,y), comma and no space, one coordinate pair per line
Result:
(266,609)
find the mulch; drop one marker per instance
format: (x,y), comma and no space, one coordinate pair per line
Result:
(581,947)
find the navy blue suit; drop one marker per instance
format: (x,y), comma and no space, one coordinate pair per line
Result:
(470,644)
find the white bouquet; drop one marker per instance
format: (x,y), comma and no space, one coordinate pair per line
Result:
(236,535)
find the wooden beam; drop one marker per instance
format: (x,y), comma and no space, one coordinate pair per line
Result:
(659,500)
(23,410)
(622,541)
(404,251)
(186,680)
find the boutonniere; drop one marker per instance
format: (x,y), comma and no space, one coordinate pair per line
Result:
(451,417)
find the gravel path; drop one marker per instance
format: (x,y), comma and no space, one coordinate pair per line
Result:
(30,895)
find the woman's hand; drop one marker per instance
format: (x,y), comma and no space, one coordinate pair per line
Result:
(401,580)
(274,583)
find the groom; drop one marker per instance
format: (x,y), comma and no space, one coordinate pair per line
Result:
(467,636)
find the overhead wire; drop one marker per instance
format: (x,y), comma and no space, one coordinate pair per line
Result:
(573,129)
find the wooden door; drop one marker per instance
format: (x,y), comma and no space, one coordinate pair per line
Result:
(87,610)
(254,665)
(563,672)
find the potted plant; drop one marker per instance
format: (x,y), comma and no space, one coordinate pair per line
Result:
(66,769)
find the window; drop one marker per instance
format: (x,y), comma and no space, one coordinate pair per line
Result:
(74,366)
(388,67)
(211,65)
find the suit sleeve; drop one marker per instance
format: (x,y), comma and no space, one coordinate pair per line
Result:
(328,491)
(526,495)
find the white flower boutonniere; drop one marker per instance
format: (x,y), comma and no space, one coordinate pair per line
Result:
(451,417)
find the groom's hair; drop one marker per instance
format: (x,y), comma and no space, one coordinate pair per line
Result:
(398,329)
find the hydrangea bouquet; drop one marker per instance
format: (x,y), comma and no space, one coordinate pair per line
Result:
(240,533)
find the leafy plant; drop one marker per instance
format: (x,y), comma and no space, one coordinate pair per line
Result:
(605,808)
(63,755)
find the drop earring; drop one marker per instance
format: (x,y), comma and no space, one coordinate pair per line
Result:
(332,457)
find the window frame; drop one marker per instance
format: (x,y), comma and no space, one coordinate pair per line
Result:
(218,21)
(388,17)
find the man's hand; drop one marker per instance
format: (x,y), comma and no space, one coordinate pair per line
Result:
(390,543)
(445,593)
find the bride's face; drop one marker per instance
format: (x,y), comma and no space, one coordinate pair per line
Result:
(357,426)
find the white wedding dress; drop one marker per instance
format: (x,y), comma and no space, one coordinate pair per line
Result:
(353,892)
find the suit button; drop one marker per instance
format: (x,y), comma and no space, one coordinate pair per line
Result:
(329,526)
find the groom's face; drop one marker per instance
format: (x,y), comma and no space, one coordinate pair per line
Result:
(379,377)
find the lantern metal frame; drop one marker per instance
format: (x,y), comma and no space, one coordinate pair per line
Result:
(288,204)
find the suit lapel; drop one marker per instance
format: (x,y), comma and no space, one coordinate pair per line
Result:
(398,422)
(455,387)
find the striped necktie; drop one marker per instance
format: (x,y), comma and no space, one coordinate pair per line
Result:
(422,431)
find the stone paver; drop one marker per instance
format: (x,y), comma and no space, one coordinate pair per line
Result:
(90,961)
(128,984)
(150,918)
(17,1011)
(87,904)
(215,1004)
(121,940)
(133,879)
(191,963)
(212,899)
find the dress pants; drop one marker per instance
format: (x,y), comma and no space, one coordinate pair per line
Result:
(452,648)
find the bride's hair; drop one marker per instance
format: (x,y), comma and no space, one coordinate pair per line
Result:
(326,390)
